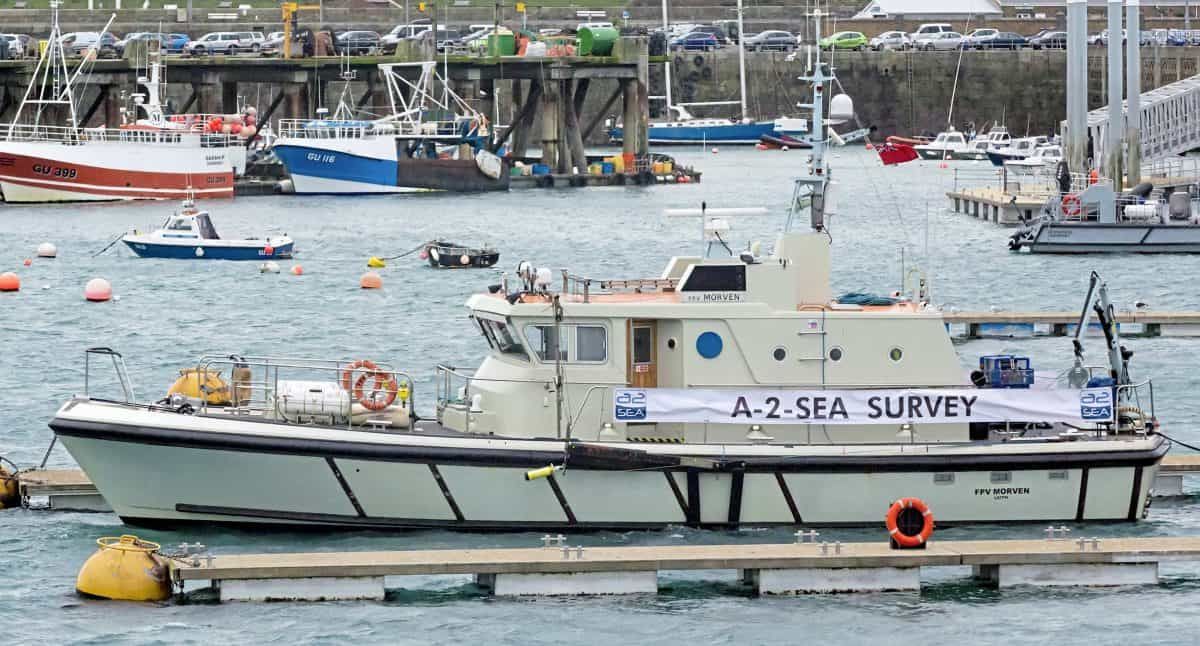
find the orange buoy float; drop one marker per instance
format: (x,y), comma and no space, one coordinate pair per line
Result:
(381,395)
(9,282)
(27,262)
(370,280)
(909,523)
(297,270)
(269,250)
(97,290)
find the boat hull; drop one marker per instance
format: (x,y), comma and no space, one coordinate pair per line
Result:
(723,134)
(369,166)
(209,251)
(108,171)
(271,474)
(1091,237)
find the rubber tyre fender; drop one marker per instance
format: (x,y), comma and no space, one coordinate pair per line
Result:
(698,61)
(680,62)
(693,76)
(706,73)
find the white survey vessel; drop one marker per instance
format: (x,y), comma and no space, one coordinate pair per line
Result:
(726,392)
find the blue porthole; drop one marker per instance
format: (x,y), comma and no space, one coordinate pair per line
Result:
(709,345)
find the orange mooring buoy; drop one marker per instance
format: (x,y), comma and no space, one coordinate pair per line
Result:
(370,280)
(97,290)
(297,270)
(9,282)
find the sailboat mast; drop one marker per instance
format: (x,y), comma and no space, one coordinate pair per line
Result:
(667,65)
(741,59)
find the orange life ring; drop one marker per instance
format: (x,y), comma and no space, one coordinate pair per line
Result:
(385,382)
(1070,205)
(902,539)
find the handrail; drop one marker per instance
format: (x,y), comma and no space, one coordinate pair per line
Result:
(152,135)
(118,362)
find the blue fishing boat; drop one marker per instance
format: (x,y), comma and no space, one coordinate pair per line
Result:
(190,234)
(687,129)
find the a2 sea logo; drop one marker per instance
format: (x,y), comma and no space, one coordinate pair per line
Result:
(629,405)
(1096,404)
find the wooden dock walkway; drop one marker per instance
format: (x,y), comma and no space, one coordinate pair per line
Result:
(770,568)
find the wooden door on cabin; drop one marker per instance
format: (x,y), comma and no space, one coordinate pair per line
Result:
(643,354)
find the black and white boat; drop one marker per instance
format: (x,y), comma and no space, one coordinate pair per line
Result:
(452,255)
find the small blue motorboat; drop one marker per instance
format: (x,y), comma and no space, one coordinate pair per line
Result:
(190,234)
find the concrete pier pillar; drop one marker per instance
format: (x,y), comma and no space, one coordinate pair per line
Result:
(549,101)
(229,97)
(1069,574)
(631,126)
(827,580)
(1077,85)
(574,134)
(565,161)
(569,583)
(1133,93)
(1116,122)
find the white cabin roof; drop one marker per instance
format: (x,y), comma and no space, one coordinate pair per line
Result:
(929,8)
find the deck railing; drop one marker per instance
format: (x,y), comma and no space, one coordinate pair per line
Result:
(79,136)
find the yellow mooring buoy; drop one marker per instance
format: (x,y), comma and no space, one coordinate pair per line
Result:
(375,262)
(125,569)
(10,492)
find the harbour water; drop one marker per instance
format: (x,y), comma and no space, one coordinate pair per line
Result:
(170,312)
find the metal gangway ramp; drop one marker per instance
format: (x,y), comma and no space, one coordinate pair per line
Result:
(1170,120)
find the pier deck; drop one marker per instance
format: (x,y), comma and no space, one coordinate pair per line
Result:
(771,568)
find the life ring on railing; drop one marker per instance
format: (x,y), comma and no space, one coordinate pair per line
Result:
(1070,205)
(385,382)
(901,526)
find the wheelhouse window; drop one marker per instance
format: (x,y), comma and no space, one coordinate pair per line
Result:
(576,343)
(499,335)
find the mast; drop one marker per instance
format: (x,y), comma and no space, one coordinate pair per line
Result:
(812,190)
(741,59)
(667,65)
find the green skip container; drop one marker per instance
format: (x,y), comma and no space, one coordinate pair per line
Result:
(502,44)
(597,41)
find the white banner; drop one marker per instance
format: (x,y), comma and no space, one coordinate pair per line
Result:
(931,405)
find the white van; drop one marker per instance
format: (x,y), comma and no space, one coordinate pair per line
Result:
(930,29)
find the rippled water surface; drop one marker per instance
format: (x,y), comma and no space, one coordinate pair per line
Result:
(170,312)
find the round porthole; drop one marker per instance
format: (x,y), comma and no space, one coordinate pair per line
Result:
(835,354)
(671,343)
(779,353)
(709,345)
(896,354)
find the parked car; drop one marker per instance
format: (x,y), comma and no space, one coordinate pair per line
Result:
(775,41)
(219,42)
(716,31)
(1049,40)
(174,43)
(730,27)
(1003,40)
(979,35)
(930,29)
(255,38)
(273,45)
(446,36)
(139,36)
(697,41)
(845,40)
(387,42)
(947,40)
(356,43)
(77,42)
(21,45)
(890,40)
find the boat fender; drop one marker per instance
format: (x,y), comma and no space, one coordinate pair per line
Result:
(693,76)
(706,73)
(698,60)
(901,522)
(544,472)
(680,61)
(125,569)
(10,491)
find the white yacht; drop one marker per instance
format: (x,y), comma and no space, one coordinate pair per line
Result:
(1019,149)
(944,146)
(1047,155)
(728,391)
